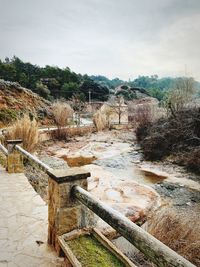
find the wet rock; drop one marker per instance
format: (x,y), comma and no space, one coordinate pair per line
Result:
(78,160)
(155,172)
(181,195)
(54,162)
(117,162)
(126,196)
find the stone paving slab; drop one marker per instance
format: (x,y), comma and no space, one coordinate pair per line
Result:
(23,222)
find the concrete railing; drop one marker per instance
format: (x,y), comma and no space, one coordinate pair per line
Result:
(32,158)
(67,192)
(3,150)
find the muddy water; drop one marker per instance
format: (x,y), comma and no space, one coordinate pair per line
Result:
(125,166)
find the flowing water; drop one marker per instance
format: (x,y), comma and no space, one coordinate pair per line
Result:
(125,166)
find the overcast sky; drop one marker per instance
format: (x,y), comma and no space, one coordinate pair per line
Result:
(115,38)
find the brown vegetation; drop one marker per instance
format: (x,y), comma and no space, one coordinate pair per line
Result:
(66,133)
(139,108)
(100,120)
(24,129)
(111,113)
(61,115)
(178,136)
(142,119)
(181,95)
(178,231)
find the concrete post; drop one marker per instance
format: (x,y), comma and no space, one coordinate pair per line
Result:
(64,212)
(14,158)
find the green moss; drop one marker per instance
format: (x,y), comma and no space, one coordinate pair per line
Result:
(91,253)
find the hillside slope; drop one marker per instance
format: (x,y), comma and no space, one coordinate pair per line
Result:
(16,100)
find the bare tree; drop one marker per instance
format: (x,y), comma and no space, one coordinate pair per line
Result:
(180,95)
(78,104)
(118,107)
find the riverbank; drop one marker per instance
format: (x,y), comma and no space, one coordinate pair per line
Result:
(135,187)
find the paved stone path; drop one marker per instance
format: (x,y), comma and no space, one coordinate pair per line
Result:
(23,222)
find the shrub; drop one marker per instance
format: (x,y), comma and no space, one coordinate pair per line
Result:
(61,113)
(178,135)
(7,115)
(192,160)
(24,129)
(143,114)
(142,119)
(60,134)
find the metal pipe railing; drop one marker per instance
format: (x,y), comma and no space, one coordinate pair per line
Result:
(3,150)
(30,157)
(155,250)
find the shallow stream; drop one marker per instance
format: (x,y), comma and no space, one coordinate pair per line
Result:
(125,166)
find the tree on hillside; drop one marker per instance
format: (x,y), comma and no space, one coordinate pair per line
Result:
(155,87)
(97,91)
(42,89)
(104,81)
(54,86)
(27,74)
(7,72)
(61,81)
(156,93)
(68,89)
(126,92)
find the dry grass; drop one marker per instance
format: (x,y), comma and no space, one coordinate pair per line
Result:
(180,230)
(80,131)
(26,130)
(66,133)
(2,160)
(100,120)
(61,113)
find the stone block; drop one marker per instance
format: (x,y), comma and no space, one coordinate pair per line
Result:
(68,175)
(15,163)
(65,213)
(65,197)
(68,219)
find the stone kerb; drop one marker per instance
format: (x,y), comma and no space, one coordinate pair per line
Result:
(64,212)
(14,158)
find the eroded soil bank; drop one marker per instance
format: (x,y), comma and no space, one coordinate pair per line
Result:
(160,193)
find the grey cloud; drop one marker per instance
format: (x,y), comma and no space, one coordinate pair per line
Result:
(112,37)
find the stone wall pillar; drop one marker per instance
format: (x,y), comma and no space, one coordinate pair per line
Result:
(64,212)
(14,158)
